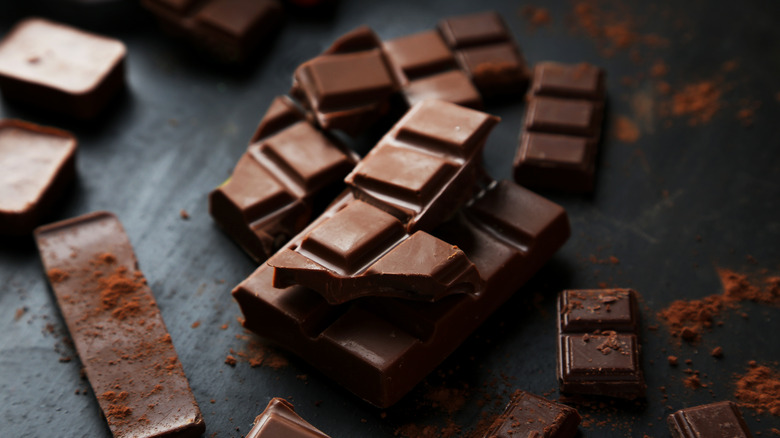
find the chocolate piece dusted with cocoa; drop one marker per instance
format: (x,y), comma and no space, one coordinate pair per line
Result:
(37,164)
(228,29)
(367,345)
(562,128)
(598,346)
(280,420)
(528,415)
(276,186)
(715,420)
(348,87)
(487,53)
(60,68)
(117,328)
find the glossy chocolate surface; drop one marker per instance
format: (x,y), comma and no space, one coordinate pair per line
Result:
(117,328)
(530,416)
(473,30)
(583,81)
(279,420)
(715,420)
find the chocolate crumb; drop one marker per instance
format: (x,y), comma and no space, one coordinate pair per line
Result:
(230,360)
(717,352)
(672,360)
(183,214)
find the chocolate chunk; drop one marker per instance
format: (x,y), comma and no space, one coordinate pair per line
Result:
(368,344)
(571,81)
(474,30)
(451,86)
(37,163)
(60,68)
(280,420)
(117,328)
(277,184)
(228,29)
(561,162)
(598,347)
(564,116)
(528,415)
(715,420)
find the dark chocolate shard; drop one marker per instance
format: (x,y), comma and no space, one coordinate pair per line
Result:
(585,311)
(530,416)
(279,420)
(117,328)
(715,420)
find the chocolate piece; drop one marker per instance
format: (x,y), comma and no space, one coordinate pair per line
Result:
(598,347)
(554,161)
(60,68)
(528,416)
(229,29)
(715,420)
(367,345)
(451,86)
(349,86)
(472,30)
(279,420)
(571,81)
(37,163)
(117,328)
(564,116)
(277,183)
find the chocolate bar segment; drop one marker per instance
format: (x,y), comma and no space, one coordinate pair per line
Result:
(528,415)
(577,117)
(450,86)
(472,30)
(555,161)
(715,420)
(60,68)
(37,163)
(571,81)
(599,309)
(277,183)
(117,328)
(367,345)
(280,420)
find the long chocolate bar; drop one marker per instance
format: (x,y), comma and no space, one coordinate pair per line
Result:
(715,420)
(37,163)
(380,348)
(117,328)
(530,416)
(275,187)
(598,343)
(562,128)
(279,420)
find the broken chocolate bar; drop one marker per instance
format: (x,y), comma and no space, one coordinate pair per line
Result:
(528,416)
(276,185)
(715,420)
(367,345)
(117,329)
(598,346)
(60,68)
(37,163)
(279,420)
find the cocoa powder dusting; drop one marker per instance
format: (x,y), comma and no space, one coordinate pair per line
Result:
(626,130)
(698,101)
(535,15)
(759,389)
(57,275)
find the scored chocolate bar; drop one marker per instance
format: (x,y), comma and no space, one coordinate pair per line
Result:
(279,420)
(274,191)
(715,420)
(117,329)
(380,348)
(530,416)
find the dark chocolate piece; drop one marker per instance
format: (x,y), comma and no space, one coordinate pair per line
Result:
(229,29)
(530,416)
(554,161)
(578,117)
(571,81)
(715,420)
(279,420)
(117,328)
(60,68)
(598,347)
(367,345)
(451,86)
(472,30)
(37,163)
(348,87)
(273,191)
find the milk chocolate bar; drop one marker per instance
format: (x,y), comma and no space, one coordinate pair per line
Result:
(380,348)
(229,29)
(528,415)
(117,328)
(280,420)
(598,343)
(278,184)
(562,128)
(37,163)
(60,68)
(348,87)
(715,420)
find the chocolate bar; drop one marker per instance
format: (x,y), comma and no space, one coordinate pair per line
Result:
(228,29)
(598,345)
(380,348)
(528,415)
(486,51)
(349,86)
(37,163)
(426,69)
(562,128)
(117,328)
(60,68)
(280,420)
(715,420)
(277,184)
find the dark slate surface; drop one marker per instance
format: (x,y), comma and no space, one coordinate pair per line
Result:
(183,123)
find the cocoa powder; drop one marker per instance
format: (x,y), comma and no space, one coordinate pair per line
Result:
(759,389)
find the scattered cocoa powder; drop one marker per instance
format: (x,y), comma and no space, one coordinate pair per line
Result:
(659,69)
(196,324)
(672,360)
(183,214)
(57,275)
(698,101)
(717,352)
(117,414)
(759,389)
(230,360)
(626,130)
(692,382)
(535,15)
(19,313)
